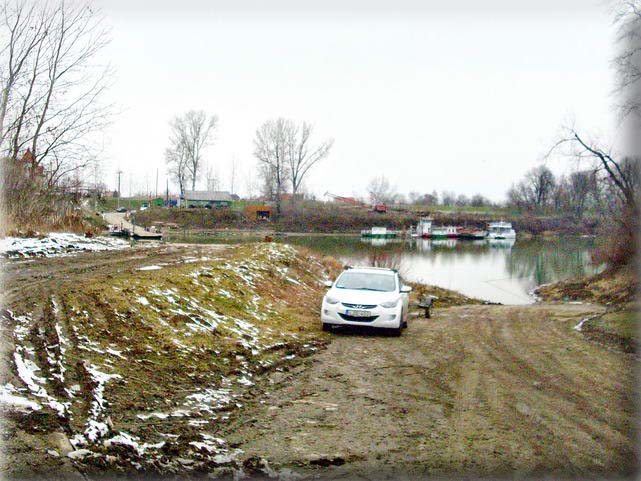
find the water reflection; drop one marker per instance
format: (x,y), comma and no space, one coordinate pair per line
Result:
(497,270)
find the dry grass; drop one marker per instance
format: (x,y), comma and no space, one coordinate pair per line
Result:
(200,323)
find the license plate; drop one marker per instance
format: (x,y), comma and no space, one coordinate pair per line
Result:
(353,313)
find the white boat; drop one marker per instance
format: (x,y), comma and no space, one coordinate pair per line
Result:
(379,232)
(500,230)
(424,228)
(445,232)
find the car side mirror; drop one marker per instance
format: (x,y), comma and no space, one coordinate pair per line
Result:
(406,290)
(328,283)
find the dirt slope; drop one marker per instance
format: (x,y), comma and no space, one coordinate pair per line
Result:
(150,370)
(128,361)
(483,390)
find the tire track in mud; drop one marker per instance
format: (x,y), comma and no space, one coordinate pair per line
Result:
(476,390)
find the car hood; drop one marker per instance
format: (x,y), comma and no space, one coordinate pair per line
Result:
(354,296)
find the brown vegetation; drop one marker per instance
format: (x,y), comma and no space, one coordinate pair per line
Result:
(31,205)
(611,287)
(329,218)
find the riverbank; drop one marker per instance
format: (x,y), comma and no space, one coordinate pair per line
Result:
(618,290)
(329,218)
(176,360)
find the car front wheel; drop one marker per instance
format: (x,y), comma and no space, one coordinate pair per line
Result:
(396,331)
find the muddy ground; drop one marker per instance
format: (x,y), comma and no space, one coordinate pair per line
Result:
(476,390)
(490,390)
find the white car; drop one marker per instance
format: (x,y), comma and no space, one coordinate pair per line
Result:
(367,296)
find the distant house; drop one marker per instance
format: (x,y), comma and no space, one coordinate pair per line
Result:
(258,212)
(205,198)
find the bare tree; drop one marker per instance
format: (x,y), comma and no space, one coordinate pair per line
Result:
(232,176)
(270,148)
(23,34)
(51,85)
(479,200)
(448,198)
(620,180)
(627,17)
(536,190)
(461,200)
(211,176)
(193,132)
(380,191)
(251,184)
(301,155)
(578,190)
(621,173)
(541,183)
(176,159)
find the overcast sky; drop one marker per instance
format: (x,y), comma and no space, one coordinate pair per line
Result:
(432,96)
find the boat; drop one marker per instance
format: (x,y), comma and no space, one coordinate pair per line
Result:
(500,230)
(471,233)
(445,232)
(424,228)
(147,236)
(117,231)
(379,233)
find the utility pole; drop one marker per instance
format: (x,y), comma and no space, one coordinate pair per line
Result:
(156,182)
(119,173)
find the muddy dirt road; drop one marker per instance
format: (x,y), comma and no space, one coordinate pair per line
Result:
(475,390)
(489,390)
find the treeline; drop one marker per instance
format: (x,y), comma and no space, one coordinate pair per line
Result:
(381,191)
(576,194)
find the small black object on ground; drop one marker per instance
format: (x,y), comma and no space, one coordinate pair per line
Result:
(426,303)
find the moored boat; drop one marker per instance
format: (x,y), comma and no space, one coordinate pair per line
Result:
(500,230)
(379,233)
(147,236)
(471,234)
(445,232)
(424,228)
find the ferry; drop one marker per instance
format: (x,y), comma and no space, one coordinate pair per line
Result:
(471,234)
(379,233)
(500,230)
(445,232)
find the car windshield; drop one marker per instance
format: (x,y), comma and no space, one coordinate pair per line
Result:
(366,281)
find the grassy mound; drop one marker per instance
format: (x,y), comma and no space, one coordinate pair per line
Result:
(139,369)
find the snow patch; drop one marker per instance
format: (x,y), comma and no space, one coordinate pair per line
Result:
(149,268)
(56,245)
(9,396)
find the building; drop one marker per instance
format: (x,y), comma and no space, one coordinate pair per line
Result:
(205,198)
(258,212)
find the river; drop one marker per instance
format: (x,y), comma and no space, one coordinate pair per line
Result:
(504,271)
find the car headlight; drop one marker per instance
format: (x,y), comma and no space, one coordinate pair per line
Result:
(331,300)
(390,304)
